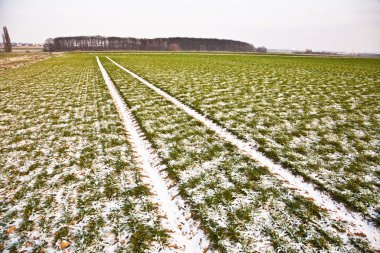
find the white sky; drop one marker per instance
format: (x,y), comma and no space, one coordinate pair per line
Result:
(340,25)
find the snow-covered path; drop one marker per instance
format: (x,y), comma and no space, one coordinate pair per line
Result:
(357,224)
(185,234)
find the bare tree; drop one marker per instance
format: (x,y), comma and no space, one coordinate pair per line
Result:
(6,40)
(49,45)
(2,35)
(261,49)
(173,47)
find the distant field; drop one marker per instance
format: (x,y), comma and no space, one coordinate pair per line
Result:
(72,175)
(27,49)
(17,59)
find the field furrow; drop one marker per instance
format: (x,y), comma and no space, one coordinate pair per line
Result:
(240,204)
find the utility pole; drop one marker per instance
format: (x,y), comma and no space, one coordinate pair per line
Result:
(7,40)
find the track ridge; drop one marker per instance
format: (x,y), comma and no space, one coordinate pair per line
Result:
(357,223)
(185,233)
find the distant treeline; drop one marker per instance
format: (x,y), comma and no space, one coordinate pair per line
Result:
(99,43)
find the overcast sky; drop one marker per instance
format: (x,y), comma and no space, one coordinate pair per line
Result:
(340,25)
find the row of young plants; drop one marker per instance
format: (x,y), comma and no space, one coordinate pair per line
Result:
(68,180)
(242,207)
(319,117)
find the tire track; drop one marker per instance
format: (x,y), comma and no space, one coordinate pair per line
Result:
(357,223)
(185,233)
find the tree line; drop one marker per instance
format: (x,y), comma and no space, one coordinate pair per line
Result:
(100,43)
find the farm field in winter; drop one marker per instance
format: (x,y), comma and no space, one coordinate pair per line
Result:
(189,152)
(318,117)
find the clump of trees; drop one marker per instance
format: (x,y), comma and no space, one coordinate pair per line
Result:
(100,43)
(6,40)
(261,49)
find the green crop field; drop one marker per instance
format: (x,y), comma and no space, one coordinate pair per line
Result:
(261,153)
(67,173)
(319,117)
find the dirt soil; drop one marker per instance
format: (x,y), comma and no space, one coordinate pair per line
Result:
(15,60)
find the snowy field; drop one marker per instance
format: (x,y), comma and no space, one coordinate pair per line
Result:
(319,117)
(190,153)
